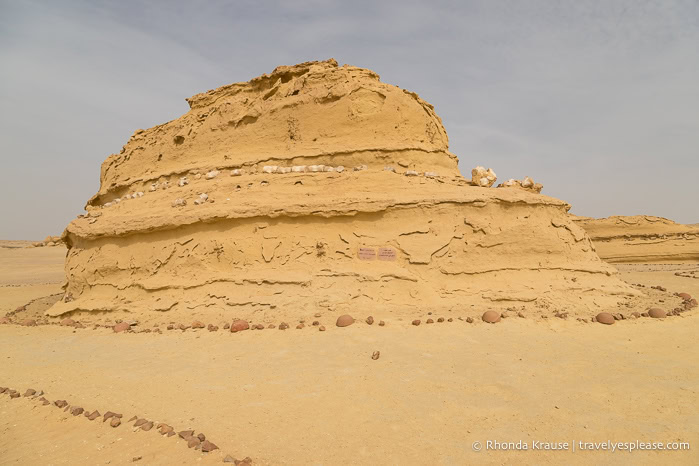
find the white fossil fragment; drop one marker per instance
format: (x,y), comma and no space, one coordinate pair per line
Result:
(183,181)
(138,194)
(482,177)
(236,172)
(108,204)
(360,168)
(128,196)
(269,169)
(339,169)
(179,203)
(117,200)
(298,169)
(212,174)
(431,174)
(411,173)
(284,170)
(389,169)
(316,168)
(328,168)
(197,176)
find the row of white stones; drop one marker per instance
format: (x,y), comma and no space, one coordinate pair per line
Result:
(269,169)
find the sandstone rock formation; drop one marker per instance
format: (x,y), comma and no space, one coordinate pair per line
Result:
(642,238)
(527,183)
(308,207)
(482,177)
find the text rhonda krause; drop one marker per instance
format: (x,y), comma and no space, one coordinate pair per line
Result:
(582,445)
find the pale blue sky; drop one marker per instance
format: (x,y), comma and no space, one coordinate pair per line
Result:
(597,100)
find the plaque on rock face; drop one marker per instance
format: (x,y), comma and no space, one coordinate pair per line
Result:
(387,254)
(367,254)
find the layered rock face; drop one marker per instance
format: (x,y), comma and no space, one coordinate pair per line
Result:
(642,238)
(317,188)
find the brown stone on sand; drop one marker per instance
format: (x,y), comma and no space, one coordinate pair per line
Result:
(165,429)
(691,303)
(376,355)
(115,422)
(14,395)
(271,326)
(430,321)
(300,326)
(95,414)
(185,433)
(60,403)
(29,323)
(193,442)
(30,392)
(67,323)
(109,414)
(198,324)
(656,313)
(685,296)
(321,328)
(344,320)
(260,327)
(207,446)
(76,411)
(381,323)
(239,326)
(469,320)
(121,327)
(229,459)
(140,422)
(283,326)
(605,318)
(147,426)
(441,319)
(636,315)
(315,323)
(416,322)
(370,320)
(491,317)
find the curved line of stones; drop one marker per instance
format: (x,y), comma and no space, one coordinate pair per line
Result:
(198,441)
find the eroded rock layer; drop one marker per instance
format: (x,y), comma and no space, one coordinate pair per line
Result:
(642,238)
(317,189)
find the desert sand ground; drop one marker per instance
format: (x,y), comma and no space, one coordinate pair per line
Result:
(302,396)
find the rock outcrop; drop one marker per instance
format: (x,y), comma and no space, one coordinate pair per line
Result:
(642,238)
(316,187)
(527,183)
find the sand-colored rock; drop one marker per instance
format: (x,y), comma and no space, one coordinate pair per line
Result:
(527,184)
(642,238)
(269,239)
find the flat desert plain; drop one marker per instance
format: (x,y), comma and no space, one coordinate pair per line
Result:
(304,396)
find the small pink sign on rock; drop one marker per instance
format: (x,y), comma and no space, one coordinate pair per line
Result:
(367,254)
(387,254)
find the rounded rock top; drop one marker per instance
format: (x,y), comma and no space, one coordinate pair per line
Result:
(491,317)
(605,318)
(344,320)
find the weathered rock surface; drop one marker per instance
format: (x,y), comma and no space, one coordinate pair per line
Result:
(642,238)
(323,236)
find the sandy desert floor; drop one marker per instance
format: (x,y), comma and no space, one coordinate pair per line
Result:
(309,397)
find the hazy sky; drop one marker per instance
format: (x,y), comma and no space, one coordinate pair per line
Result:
(597,100)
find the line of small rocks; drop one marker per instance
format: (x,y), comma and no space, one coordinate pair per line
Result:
(267,169)
(198,441)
